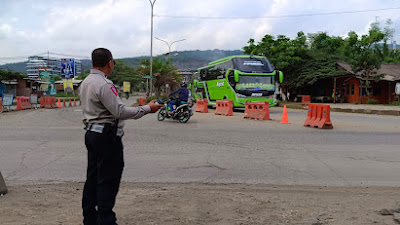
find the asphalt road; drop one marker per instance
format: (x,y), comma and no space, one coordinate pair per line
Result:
(361,150)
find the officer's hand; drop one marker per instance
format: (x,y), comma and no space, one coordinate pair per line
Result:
(154,107)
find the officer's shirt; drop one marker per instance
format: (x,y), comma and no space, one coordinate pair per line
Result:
(101,103)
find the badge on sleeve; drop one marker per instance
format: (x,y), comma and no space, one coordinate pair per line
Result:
(114,90)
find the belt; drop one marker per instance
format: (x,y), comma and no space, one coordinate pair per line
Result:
(102,128)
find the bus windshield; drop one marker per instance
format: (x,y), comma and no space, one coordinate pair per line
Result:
(249,65)
(256,82)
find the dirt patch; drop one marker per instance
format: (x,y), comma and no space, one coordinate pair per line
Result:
(194,203)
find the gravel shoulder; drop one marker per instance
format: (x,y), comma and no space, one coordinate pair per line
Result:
(197,203)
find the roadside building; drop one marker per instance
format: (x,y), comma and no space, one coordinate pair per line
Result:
(350,87)
(22,87)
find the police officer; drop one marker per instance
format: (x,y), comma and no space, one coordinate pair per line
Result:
(104,115)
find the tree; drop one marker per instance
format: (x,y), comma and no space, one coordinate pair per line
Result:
(283,53)
(126,73)
(83,75)
(163,73)
(365,55)
(7,75)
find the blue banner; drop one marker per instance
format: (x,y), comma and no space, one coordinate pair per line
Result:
(2,89)
(67,68)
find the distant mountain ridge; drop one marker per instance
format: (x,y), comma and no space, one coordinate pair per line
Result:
(184,60)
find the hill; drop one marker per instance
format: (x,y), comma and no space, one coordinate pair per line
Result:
(184,60)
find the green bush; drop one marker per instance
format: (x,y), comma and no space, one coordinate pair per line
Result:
(372,101)
(69,95)
(396,103)
(356,103)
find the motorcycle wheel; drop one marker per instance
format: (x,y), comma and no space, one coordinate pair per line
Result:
(184,116)
(162,114)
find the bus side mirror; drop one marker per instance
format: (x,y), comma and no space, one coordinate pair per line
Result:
(236,76)
(280,77)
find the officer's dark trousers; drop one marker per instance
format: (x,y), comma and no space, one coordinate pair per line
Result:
(105,164)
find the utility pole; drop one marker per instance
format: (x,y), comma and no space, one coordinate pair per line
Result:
(151,45)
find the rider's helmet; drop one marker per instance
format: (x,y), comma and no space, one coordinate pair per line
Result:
(183,84)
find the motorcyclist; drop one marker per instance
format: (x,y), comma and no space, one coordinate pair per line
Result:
(182,99)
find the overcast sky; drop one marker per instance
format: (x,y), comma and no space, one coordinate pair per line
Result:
(76,27)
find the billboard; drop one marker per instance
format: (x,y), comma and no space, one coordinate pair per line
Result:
(67,68)
(47,75)
(127,86)
(68,86)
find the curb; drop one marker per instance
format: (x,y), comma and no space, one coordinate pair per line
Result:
(359,111)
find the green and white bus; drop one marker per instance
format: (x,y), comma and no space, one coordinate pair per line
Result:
(241,78)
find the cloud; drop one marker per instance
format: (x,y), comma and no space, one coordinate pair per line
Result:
(76,27)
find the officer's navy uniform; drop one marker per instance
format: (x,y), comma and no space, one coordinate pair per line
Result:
(104,115)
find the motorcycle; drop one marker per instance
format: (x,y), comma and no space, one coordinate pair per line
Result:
(182,113)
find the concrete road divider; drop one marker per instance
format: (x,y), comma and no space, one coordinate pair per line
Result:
(257,110)
(224,107)
(3,187)
(201,106)
(142,101)
(319,116)
(305,99)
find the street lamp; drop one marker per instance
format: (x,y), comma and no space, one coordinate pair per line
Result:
(151,44)
(169,45)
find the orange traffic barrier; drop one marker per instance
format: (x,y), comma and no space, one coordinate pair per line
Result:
(23,103)
(142,101)
(70,103)
(42,102)
(1,105)
(59,103)
(53,103)
(19,105)
(47,102)
(224,107)
(74,102)
(305,99)
(319,116)
(285,119)
(257,110)
(201,106)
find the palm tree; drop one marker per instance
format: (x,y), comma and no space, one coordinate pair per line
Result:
(163,73)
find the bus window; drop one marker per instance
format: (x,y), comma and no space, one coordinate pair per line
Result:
(231,78)
(202,75)
(214,73)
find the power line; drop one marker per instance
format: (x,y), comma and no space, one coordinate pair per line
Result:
(275,17)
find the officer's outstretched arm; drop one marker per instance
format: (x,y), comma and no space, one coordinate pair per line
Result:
(109,98)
